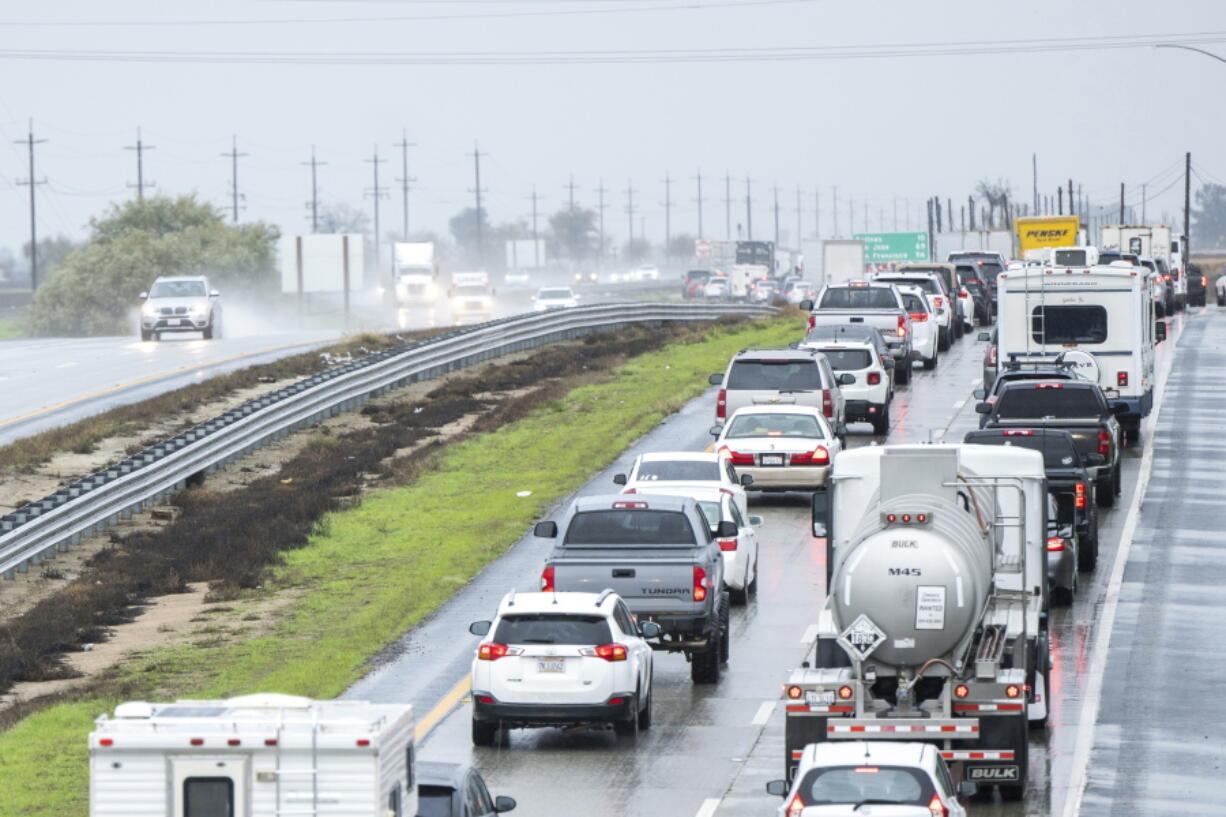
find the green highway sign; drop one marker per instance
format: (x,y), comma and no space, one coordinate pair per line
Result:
(881,248)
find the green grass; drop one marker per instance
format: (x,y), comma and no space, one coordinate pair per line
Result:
(372,572)
(12,327)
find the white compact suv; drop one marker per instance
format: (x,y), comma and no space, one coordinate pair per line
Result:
(924,329)
(556,659)
(868,396)
(180,304)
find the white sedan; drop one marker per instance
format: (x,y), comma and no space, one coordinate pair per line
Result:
(681,473)
(548,298)
(783,447)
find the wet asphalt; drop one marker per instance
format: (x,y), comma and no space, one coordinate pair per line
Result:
(711,749)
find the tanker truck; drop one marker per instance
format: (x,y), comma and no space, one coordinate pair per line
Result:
(935,624)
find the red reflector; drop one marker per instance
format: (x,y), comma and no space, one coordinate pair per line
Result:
(906,517)
(362,741)
(270,741)
(1121,379)
(889,517)
(727,545)
(874,378)
(616,701)
(547,579)
(630,506)
(234,742)
(921,517)
(105,742)
(196,741)
(485,699)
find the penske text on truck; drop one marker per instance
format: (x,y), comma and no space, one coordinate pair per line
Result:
(1040,233)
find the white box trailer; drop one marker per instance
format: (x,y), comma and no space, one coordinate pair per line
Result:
(842,261)
(265,755)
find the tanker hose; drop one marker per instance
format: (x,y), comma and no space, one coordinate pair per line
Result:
(975,500)
(923,668)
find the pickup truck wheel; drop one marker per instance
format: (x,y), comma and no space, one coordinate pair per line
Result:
(1087,550)
(902,373)
(1117,480)
(704,666)
(485,733)
(1105,492)
(931,363)
(739,597)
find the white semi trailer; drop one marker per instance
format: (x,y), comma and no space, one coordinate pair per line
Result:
(416,273)
(934,628)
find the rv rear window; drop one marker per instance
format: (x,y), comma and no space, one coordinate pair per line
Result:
(1068,324)
(208,797)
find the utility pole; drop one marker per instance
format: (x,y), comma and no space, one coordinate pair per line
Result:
(570,187)
(536,247)
(931,234)
(1034,166)
(727,205)
(1072,206)
(234,156)
(405,179)
(1144,192)
(314,163)
(776,193)
(1122,203)
(834,208)
(630,210)
(376,193)
(477,191)
(1059,201)
(799,230)
(600,191)
(1187,205)
(668,217)
(572,244)
(30,142)
(896,214)
(748,209)
(949,212)
(817,212)
(699,201)
(140,147)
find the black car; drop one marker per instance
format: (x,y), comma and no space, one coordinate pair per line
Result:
(1068,479)
(987,267)
(968,279)
(1013,371)
(455,790)
(1197,283)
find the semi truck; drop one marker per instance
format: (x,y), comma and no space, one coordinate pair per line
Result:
(934,628)
(416,271)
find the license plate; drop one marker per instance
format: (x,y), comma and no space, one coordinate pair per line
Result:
(772,459)
(814,697)
(183,322)
(551,666)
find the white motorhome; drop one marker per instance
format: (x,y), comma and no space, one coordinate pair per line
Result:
(1155,242)
(1101,319)
(261,755)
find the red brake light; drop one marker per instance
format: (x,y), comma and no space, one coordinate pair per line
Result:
(630,490)
(919,317)
(796,807)
(727,545)
(937,807)
(827,403)
(902,326)
(1079,495)
(812,322)
(1018,432)
(1055,544)
(700,584)
(874,378)
(1104,443)
(938,301)
(962,293)
(1121,379)
(111,742)
(1049,385)
(818,456)
(611,652)
(737,458)
(493,651)
(547,580)
(721,404)
(992,355)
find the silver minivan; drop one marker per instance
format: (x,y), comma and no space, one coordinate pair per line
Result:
(781,376)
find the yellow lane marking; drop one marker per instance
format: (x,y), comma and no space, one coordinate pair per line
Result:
(150,379)
(442,708)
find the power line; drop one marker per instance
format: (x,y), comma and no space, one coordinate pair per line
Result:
(234,156)
(140,147)
(33,182)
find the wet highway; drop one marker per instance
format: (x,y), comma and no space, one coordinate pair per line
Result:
(712,749)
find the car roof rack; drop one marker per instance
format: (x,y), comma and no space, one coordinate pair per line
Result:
(604,594)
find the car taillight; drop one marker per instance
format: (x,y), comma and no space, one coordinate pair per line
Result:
(874,378)
(918,317)
(827,403)
(962,293)
(1079,495)
(1055,543)
(721,404)
(493,651)
(818,456)
(1104,443)
(609,652)
(1121,379)
(812,322)
(700,584)
(1166,277)
(547,580)
(992,355)
(737,458)
(727,545)
(796,807)
(936,807)
(902,326)
(938,301)
(1204,280)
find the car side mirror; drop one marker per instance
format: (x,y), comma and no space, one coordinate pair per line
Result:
(1119,408)
(746,480)
(726,529)
(716,378)
(1094,459)
(779,788)
(847,379)
(546,530)
(985,336)
(716,430)
(980,394)
(214,294)
(143,295)
(481,628)
(967,788)
(757,521)
(1160,331)
(983,408)
(649,629)
(619,479)
(806,305)
(822,511)
(503,804)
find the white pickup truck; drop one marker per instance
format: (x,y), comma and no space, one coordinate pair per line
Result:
(870,304)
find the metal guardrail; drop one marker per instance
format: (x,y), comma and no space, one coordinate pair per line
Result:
(90,505)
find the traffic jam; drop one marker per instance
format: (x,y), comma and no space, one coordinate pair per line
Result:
(946,564)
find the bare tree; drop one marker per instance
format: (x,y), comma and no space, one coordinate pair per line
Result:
(996,194)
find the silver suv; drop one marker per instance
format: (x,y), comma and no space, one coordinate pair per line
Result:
(782,376)
(180,304)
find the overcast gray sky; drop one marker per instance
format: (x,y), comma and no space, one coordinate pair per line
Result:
(879,128)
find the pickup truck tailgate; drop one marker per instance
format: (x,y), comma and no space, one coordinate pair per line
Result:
(649,582)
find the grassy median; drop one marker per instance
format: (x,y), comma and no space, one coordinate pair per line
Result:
(369,573)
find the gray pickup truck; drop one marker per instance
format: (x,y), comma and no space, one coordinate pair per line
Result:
(659,554)
(866,303)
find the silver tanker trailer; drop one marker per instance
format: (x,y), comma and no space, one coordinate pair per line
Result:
(934,627)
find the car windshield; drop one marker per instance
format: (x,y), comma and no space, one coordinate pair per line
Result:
(1068,324)
(1048,403)
(858,298)
(178,289)
(550,628)
(847,360)
(633,527)
(1057,451)
(857,784)
(773,425)
(774,375)
(677,471)
(434,801)
(554,294)
(929,285)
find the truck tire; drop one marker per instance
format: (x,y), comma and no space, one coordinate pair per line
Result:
(704,666)
(146,335)
(943,340)
(207,332)
(485,733)
(931,363)
(881,421)
(739,597)
(1104,489)
(1117,480)
(1087,548)
(959,328)
(902,372)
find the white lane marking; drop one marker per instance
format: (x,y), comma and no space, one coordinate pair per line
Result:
(67,365)
(1096,672)
(708,807)
(959,404)
(763,714)
(810,634)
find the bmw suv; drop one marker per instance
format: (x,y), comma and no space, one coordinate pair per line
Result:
(180,304)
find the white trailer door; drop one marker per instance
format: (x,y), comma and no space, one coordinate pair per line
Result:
(209,786)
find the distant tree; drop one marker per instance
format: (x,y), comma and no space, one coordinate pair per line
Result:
(636,250)
(51,252)
(681,248)
(94,290)
(996,194)
(464,229)
(1209,218)
(339,217)
(574,234)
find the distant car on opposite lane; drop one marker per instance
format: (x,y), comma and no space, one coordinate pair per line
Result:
(180,304)
(547,298)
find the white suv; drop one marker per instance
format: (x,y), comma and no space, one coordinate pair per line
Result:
(940,303)
(680,473)
(896,775)
(740,552)
(551,659)
(868,396)
(924,328)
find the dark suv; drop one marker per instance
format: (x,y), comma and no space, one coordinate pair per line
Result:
(1196,285)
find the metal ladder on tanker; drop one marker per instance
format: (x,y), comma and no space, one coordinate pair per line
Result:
(312,773)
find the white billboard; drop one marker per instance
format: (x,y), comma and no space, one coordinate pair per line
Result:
(318,263)
(526,254)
